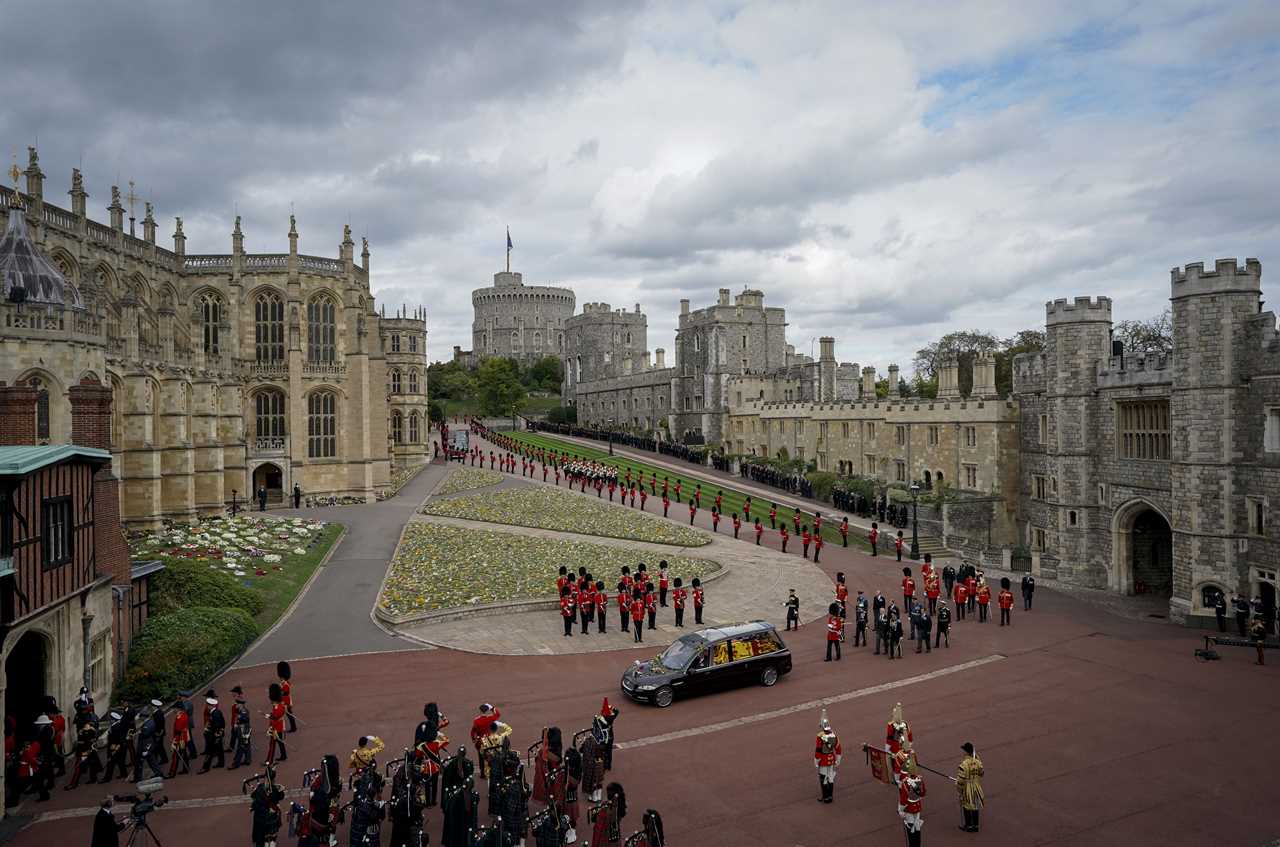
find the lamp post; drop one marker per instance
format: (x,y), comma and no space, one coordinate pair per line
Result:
(915,522)
(610,431)
(233,502)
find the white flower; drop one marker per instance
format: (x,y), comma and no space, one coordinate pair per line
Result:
(298,551)
(271,557)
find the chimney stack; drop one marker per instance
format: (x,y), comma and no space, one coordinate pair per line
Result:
(724,297)
(661,355)
(894,381)
(684,307)
(869,384)
(17,414)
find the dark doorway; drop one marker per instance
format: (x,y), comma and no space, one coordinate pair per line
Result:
(1152,555)
(26,672)
(269,476)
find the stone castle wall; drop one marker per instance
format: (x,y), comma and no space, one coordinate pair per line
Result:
(517,321)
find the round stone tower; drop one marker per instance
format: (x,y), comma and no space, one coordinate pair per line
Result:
(518,321)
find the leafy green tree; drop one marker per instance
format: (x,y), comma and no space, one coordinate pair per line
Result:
(498,386)
(1026,341)
(435,412)
(543,375)
(1153,335)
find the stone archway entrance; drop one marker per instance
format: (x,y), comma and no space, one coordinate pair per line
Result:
(269,476)
(26,680)
(1142,551)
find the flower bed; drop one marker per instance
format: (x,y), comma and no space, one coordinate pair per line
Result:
(465,479)
(440,567)
(551,508)
(270,557)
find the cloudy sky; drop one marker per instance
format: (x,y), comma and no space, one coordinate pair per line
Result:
(888,172)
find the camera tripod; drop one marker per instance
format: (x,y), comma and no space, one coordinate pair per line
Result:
(141,834)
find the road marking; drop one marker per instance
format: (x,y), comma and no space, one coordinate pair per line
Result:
(809,705)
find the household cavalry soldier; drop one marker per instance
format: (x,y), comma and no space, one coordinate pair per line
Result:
(911,807)
(898,740)
(826,758)
(241,731)
(969,787)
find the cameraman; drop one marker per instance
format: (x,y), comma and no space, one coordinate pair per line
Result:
(106,830)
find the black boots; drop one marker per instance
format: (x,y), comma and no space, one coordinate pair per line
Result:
(970,820)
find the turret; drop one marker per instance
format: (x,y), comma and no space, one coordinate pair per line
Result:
(293,236)
(149,225)
(869,384)
(984,377)
(116,209)
(827,369)
(949,380)
(894,382)
(237,238)
(35,176)
(179,238)
(78,195)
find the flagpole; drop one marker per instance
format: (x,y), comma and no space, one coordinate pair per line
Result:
(508,249)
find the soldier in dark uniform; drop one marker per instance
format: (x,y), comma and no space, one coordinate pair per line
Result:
(149,740)
(1219,610)
(368,810)
(1028,591)
(1242,614)
(861,613)
(241,731)
(406,806)
(264,806)
(118,745)
(215,731)
(944,624)
(86,756)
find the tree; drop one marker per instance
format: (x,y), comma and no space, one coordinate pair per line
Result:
(435,412)
(1026,341)
(1153,335)
(563,415)
(458,385)
(543,375)
(498,386)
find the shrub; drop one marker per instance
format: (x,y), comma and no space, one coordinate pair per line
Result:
(822,482)
(184,649)
(190,582)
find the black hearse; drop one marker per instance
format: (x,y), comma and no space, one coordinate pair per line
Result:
(709,659)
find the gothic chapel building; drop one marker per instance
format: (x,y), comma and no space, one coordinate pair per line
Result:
(228,372)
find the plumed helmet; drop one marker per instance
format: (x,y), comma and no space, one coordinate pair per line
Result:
(823,723)
(895,716)
(283,670)
(274,694)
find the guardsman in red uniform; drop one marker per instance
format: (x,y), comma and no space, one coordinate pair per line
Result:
(817,522)
(633,495)
(805,538)
(662,583)
(544,471)
(601,598)
(1006,602)
(737,525)
(719,500)
(651,605)
(275,725)
(746,509)
(874,538)
(637,614)
(666,503)
(911,807)
(908,590)
(782,532)
(897,545)
(971,584)
(677,600)
(698,600)
(624,598)
(613,484)
(715,521)
(562,580)
(835,630)
(480,724)
(962,599)
(773,515)
(844,532)
(932,588)
(827,754)
(795,521)
(984,600)
(568,610)
(677,490)
(29,768)
(842,595)
(557,476)
(653,483)
(586,605)
(285,673)
(817,547)
(643,497)
(493,460)
(178,741)
(693,508)
(759,531)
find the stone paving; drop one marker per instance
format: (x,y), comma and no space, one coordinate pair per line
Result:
(754,588)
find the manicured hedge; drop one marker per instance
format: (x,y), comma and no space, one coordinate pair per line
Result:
(183,649)
(188,583)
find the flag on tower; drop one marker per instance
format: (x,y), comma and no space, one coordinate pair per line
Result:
(509,245)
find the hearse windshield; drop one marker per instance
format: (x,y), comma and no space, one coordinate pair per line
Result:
(677,656)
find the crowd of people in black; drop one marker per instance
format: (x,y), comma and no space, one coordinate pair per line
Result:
(795,483)
(880,508)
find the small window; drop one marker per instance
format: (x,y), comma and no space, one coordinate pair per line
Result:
(395,342)
(971,477)
(413,344)
(1040,488)
(869,464)
(900,435)
(744,342)
(1044,429)
(900,468)
(1102,495)
(935,434)
(1072,518)
(1257,515)
(844,430)
(57,531)
(98,662)
(871,430)
(1271,435)
(799,428)
(971,436)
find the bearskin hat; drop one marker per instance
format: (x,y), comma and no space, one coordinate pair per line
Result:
(833,609)
(331,775)
(283,670)
(614,792)
(1004,583)
(274,694)
(906,571)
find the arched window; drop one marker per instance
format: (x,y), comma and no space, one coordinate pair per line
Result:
(42,408)
(515,339)
(413,428)
(395,380)
(322,425)
(268,317)
(537,341)
(269,417)
(210,306)
(322,330)
(397,427)
(413,380)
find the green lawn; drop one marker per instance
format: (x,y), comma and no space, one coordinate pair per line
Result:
(733,499)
